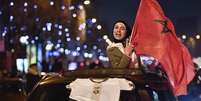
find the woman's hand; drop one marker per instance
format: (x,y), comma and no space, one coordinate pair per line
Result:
(128,49)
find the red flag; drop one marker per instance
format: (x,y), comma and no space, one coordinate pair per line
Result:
(153,34)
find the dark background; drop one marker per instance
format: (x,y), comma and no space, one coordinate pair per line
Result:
(185,15)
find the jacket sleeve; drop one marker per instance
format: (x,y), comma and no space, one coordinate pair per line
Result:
(117,58)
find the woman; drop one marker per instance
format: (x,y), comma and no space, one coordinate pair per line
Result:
(121,54)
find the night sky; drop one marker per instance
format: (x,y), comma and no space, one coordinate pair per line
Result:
(185,14)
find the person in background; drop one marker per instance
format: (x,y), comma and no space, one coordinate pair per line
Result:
(58,65)
(96,64)
(32,77)
(45,66)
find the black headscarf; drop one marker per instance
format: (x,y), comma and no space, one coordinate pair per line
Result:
(128,32)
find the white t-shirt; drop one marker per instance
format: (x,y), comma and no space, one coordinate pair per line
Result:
(90,90)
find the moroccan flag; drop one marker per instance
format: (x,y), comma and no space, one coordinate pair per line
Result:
(153,34)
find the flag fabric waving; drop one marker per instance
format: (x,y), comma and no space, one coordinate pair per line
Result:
(154,34)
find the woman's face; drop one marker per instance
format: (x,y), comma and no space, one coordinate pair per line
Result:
(119,31)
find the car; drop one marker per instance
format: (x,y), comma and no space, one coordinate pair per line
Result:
(12,89)
(149,86)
